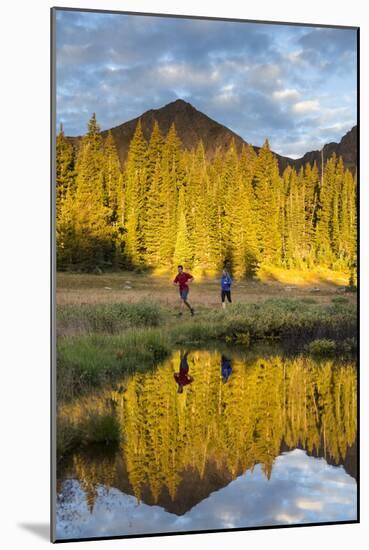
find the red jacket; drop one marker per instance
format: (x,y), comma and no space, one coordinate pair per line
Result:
(182,279)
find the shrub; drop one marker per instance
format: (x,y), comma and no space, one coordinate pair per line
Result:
(101,428)
(349,345)
(322,347)
(87,421)
(68,436)
(308,300)
(339,300)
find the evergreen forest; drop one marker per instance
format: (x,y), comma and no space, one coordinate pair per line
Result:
(170,205)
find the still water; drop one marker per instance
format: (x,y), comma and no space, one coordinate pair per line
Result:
(215,440)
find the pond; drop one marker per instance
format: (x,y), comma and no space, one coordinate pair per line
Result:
(216,440)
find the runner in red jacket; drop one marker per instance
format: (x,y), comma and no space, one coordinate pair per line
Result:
(182,279)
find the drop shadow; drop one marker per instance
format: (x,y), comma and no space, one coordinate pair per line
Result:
(42,530)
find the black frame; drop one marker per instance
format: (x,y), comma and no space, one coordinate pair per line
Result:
(53,11)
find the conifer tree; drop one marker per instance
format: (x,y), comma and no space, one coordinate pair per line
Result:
(134,184)
(172,155)
(172,180)
(113,197)
(226,190)
(154,151)
(311,177)
(325,214)
(242,231)
(154,213)
(267,191)
(335,229)
(92,228)
(182,251)
(153,156)
(247,163)
(294,227)
(65,188)
(199,225)
(349,218)
(214,231)
(67,252)
(65,173)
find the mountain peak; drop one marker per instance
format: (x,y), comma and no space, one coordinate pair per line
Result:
(178,105)
(178,102)
(193,125)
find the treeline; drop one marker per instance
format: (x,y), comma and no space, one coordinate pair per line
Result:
(267,402)
(171,206)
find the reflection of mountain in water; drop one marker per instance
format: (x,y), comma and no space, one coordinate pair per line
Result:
(349,462)
(179,448)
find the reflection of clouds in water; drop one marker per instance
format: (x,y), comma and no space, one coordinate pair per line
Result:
(305,504)
(302,489)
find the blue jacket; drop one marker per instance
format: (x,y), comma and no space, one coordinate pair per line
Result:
(226,282)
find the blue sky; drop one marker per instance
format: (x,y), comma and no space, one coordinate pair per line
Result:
(294,85)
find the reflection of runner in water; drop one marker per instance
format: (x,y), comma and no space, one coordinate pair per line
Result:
(226,367)
(182,377)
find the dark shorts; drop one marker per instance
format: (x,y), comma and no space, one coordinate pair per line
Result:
(184,293)
(227,293)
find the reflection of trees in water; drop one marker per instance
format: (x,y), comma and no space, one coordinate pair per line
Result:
(266,403)
(100,471)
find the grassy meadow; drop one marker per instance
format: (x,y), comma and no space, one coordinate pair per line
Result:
(114,324)
(130,287)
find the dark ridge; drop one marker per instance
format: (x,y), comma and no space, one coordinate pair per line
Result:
(193,125)
(347,148)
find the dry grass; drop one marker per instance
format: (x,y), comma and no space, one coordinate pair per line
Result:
(132,288)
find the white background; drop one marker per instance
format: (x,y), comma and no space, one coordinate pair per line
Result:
(25,268)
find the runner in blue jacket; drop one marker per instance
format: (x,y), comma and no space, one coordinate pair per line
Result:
(226,283)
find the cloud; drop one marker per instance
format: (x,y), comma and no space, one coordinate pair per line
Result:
(328,41)
(307,106)
(295,57)
(260,80)
(287,94)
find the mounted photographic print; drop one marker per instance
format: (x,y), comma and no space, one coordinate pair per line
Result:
(204,274)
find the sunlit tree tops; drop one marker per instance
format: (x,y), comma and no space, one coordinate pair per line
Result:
(171,205)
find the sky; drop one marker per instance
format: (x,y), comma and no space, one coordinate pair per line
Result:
(294,85)
(302,489)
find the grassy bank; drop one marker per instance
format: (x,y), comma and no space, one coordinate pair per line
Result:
(88,362)
(91,360)
(112,318)
(279,318)
(285,320)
